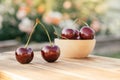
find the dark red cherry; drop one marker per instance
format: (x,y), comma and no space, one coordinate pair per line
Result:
(77,34)
(50,53)
(69,33)
(87,33)
(24,55)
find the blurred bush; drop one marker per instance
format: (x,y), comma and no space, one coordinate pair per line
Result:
(17,17)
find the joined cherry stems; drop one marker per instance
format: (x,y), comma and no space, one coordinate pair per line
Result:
(38,21)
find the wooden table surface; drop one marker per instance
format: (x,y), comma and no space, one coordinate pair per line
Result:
(90,68)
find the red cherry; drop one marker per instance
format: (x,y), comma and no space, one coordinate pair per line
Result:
(50,53)
(87,33)
(77,34)
(24,55)
(69,33)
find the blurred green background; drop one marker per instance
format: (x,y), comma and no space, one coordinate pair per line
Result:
(17,18)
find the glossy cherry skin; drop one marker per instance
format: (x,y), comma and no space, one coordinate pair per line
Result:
(50,53)
(69,33)
(77,34)
(87,33)
(24,55)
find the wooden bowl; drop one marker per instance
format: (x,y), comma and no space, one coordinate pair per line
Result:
(75,48)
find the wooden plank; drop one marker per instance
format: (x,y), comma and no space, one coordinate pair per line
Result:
(110,64)
(28,71)
(91,68)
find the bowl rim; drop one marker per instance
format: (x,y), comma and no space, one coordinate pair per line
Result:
(75,40)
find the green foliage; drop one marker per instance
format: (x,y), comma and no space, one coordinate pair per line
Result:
(41,36)
(9,31)
(57,30)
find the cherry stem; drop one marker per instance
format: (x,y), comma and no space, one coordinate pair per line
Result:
(31,34)
(85,23)
(60,36)
(45,31)
(76,20)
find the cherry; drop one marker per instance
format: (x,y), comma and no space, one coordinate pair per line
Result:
(25,55)
(50,53)
(69,33)
(87,33)
(77,34)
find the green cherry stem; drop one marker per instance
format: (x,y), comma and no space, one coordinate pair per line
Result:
(31,34)
(85,23)
(76,20)
(46,32)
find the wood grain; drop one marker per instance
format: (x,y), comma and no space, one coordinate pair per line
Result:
(90,68)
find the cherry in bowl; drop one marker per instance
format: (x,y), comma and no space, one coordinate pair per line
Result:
(69,33)
(87,33)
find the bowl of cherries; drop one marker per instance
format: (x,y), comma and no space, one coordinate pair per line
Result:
(76,43)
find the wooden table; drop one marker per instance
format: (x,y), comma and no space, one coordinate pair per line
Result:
(90,68)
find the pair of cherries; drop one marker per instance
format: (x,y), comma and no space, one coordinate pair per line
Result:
(85,33)
(50,53)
